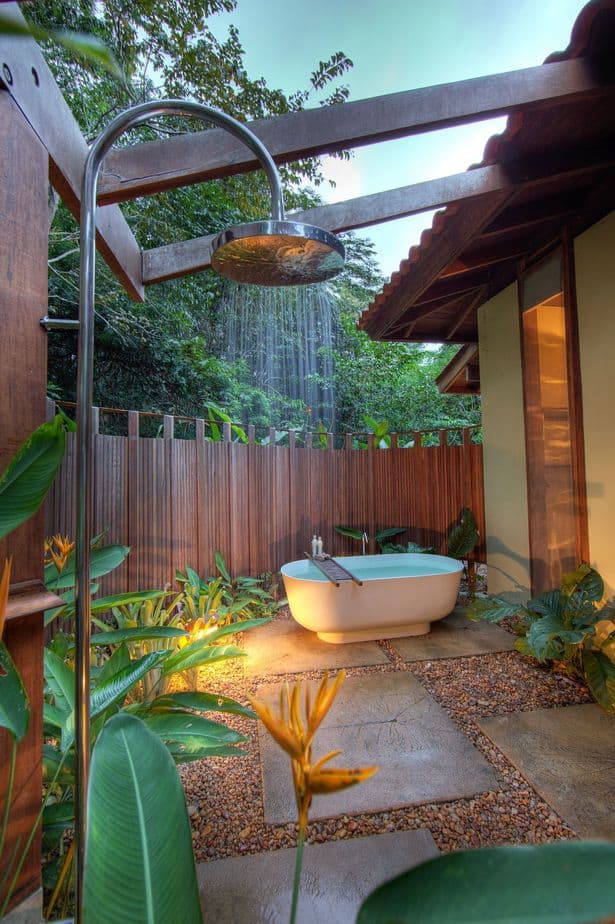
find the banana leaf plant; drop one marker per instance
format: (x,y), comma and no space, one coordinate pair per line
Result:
(119,685)
(562,883)
(137,810)
(569,626)
(23,487)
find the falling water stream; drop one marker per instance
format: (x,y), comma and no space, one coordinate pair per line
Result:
(284,336)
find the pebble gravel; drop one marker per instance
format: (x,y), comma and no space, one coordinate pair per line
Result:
(224,795)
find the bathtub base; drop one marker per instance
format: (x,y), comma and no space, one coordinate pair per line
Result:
(375,633)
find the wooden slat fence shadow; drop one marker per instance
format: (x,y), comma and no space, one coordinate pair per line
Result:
(175,500)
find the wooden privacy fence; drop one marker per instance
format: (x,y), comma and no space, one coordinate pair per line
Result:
(175,500)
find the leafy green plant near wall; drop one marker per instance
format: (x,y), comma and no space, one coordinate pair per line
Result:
(569,626)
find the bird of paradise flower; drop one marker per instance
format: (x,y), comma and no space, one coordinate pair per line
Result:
(294,733)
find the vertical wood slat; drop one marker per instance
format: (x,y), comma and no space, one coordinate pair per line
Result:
(23,348)
(260,504)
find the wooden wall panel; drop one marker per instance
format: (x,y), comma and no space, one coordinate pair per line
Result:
(23,367)
(175,501)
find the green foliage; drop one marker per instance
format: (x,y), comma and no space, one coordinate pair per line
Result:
(222,600)
(463,536)
(563,883)
(562,625)
(28,477)
(82,46)
(14,705)
(137,810)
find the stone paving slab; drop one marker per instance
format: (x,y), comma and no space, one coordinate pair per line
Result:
(284,646)
(390,720)
(337,877)
(455,637)
(568,755)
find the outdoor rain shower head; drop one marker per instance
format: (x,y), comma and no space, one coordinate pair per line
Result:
(277,253)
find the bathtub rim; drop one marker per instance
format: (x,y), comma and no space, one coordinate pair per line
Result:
(400,557)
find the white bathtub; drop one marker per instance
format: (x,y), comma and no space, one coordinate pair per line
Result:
(401,595)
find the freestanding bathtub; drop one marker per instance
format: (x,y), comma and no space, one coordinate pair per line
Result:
(401,594)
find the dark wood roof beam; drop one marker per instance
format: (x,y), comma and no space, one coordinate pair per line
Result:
(199,156)
(525,217)
(465,314)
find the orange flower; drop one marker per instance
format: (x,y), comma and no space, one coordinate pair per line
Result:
(58,548)
(294,733)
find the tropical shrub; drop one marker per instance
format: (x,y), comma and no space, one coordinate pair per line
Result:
(569,626)
(23,487)
(222,600)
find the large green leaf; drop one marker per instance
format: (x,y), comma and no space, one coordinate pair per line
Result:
(492,609)
(113,691)
(600,675)
(551,603)
(349,531)
(136,634)
(14,705)
(102,604)
(221,566)
(563,883)
(60,680)
(189,736)
(199,655)
(584,580)
(119,659)
(463,536)
(30,473)
(547,636)
(201,702)
(102,561)
(139,866)
(57,817)
(235,627)
(389,532)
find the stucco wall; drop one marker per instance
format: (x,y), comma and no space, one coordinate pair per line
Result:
(595,274)
(504,446)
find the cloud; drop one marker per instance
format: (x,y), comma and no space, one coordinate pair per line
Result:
(346,176)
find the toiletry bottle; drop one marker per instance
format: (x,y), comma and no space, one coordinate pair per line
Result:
(319,545)
(314,546)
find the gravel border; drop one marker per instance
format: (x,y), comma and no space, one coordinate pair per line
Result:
(224,795)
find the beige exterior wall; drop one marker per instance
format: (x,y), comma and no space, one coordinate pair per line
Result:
(504,446)
(595,277)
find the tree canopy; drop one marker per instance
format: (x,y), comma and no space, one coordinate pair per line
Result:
(163,355)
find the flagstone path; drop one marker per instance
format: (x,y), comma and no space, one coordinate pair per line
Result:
(476,745)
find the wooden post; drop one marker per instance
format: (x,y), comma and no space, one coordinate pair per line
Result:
(23,367)
(134,484)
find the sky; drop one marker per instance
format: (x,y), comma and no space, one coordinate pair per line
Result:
(398,45)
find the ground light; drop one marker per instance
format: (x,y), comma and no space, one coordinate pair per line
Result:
(272,252)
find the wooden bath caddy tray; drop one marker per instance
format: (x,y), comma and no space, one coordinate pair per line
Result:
(333,570)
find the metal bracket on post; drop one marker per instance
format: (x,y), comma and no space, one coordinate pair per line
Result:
(59,323)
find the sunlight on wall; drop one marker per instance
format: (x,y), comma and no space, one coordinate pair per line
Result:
(595,276)
(504,446)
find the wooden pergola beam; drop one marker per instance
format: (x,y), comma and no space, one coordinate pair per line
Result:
(175,260)
(199,156)
(27,78)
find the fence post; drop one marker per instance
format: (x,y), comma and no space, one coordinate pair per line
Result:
(308,439)
(168,427)
(348,441)
(50,409)
(226,432)
(272,433)
(371,501)
(251,434)
(329,441)
(133,500)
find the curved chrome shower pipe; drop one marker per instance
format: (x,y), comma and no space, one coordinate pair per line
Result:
(122,123)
